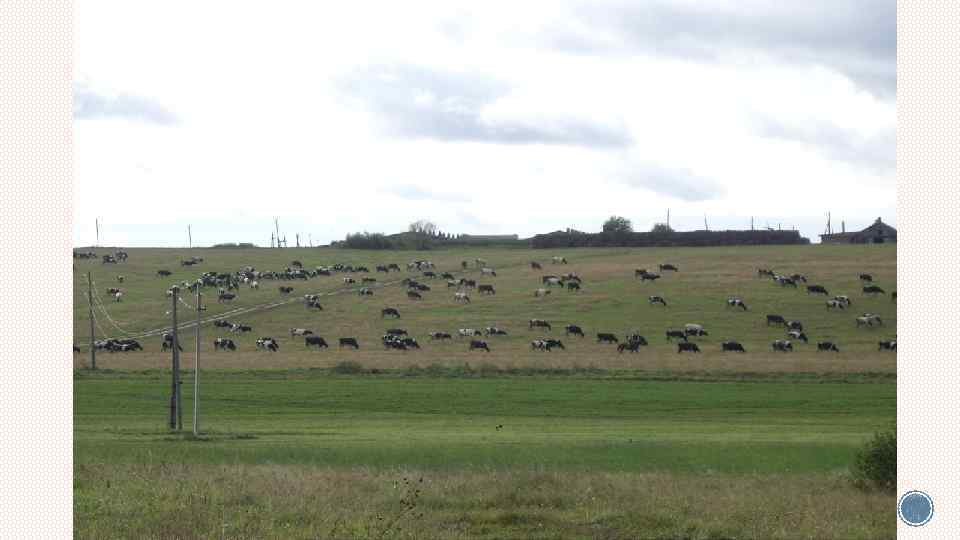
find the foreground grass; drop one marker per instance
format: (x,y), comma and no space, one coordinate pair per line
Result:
(167,500)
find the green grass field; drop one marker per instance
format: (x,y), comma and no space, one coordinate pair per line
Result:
(592,443)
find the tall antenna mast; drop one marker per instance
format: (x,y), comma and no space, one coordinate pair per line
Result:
(189,237)
(96,223)
(668,218)
(277,225)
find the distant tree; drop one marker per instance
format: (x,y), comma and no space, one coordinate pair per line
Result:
(661,228)
(423,226)
(617,224)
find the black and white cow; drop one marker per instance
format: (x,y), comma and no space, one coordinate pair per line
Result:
(241,328)
(540,323)
(817,289)
(632,346)
(414,295)
(468,332)
(873,289)
(604,337)
(776,320)
(440,336)
(163,273)
(736,302)
(798,335)
(486,289)
(494,331)
(224,344)
(827,346)
(573,329)
(461,297)
(365,292)
(794,325)
(782,345)
(573,286)
(869,319)
(866,277)
(647,276)
(732,346)
(300,332)
(225,296)
(535,265)
(479,344)
(694,330)
(688,347)
(836,304)
(393,312)
(888,345)
(657,300)
(268,343)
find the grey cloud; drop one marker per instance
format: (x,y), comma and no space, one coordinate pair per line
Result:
(876,153)
(855,37)
(416,193)
(418,102)
(679,183)
(88,104)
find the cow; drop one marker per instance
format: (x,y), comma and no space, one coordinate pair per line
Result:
(573,286)
(649,277)
(632,346)
(447,275)
(470,283)
(818,289)
(679,334)
(827,346)
(366,280)
(667,266)
(461,297)
(452,283)
(541,292)
(430,274)
(573,329)
(784,281)
(689,347)
(224,344)
(694,330)
(866,277)
(241,328)
(736,302)
(468,332)
(782,345)
(167,345)
(221,323)
(410,343)
(798,335)
(440,336)
(794,325)
(76,349)
(269,344)
(300,332)
(225,296)
(421,287)
(494,331)
(549,344)
(163,273)
(540,323)
(604,337)
(657,300)
(835,304)
(349,342)
(732,346)
(888,345)
(349,281)
(761,272)
(365,292)
(868,319)
(479,344)
(844,299)
(635,338)
(315,304)
(873,289)
(285,290)
(558,260)
(255,285)
(798,278)
(414,295)
(119,279)
(382,268)
(535,265)
(488,272)
(393,266)
(776,319)
(117,296)
(393,312)
(113,290)
(486,289)
(551,281)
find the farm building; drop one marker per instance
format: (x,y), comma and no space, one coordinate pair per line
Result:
(877,233)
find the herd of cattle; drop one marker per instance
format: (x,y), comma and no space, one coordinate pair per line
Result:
(228,285)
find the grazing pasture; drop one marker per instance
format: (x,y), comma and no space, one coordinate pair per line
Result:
(441,441)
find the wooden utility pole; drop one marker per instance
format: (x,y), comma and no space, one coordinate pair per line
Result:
(298,239)
(276,224)
(705,226)
(176,419)
(196,372)
(93,350)
(96,223)
(189,237)
(751,223)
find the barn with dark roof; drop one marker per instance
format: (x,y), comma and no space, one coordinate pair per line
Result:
(877,233)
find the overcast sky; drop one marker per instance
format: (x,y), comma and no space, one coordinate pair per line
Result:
(488,118)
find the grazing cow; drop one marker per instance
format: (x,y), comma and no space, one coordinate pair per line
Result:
(486,289)
(732,346)
(396,332)
(119,279)
(784,281)
(414,295)
(632,346)
(639,272)
(573,286)
(488,272)
(827,346)
(225,296)
(268,343)
(430,274)
(776,319)
(440,335)
(382,268)
(797,334)
(349,342)
(868,320)
(888,345)
(128,346)
(365,292)
(117,295)
(573,329)
(604,337)
(315,304)
(551,281)
(866,277)
(393,266)
(224,344)
(798,278)
(765,272)
(163,273)
(300,332)
(366,280)
(471,283)
(844,299)
(549,344)
(410,343)
(649,277)
(736,302)
(689,347)
(167,345)
(285,290)
(873,289)
(540,292)
(635,338)
(242,328)
(535,265)
(494,331)
(694,330)
(559,260)
(393,312)
(540,323)
(468,332)
(349,281)
(679,334)
(818,289)
(479,344)
(782,345)
(668,266)
(835,304)
(220,323)
(461,297)
(657,300)
(794,325)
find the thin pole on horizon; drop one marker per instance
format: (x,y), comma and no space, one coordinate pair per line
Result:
(189,237)
(196,371)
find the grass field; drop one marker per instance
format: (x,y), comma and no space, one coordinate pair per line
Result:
(581,443)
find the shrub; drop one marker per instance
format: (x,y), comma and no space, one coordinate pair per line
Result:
(875,465)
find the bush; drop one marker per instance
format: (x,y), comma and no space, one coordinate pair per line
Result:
(876,463)
(348,367)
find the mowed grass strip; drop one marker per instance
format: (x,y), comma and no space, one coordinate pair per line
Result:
(175,500)
(442,423)
(611,301)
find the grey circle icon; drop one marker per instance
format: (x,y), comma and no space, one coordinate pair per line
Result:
(915,508)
